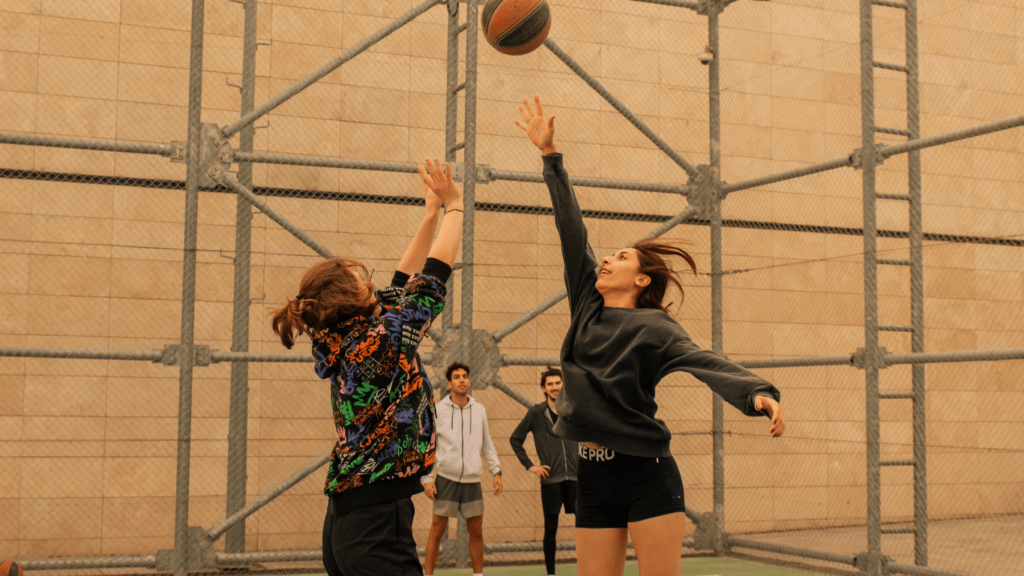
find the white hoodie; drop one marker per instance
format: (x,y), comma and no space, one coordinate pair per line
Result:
(461,436)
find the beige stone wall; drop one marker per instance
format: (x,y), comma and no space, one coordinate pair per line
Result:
(87,448)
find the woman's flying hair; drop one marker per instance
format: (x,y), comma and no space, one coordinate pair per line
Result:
(329,294)
(650,251)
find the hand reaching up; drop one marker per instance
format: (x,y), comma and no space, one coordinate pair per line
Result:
(540,130)
(439,181)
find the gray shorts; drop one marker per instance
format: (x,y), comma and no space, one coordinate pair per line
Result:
(454,498)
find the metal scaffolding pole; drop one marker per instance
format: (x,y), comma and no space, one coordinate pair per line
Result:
(469,167)
(86,144)
(331,66)
(248,195)
(916,233)
(620,107)
(874,565)
(238,420)
(717,344)
(451,118)
(213,533)
(186,359)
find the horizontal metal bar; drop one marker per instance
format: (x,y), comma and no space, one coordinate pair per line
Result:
(460,29)
(901,530)
(896,396)
(264,499)
(798,362)
(219,356)
(590,182)
(890,4)
(888,66)
(893,262)
(89,563)
(912,570)
(695,6)
(789,550)
(620,107)
(323,162)
(243,558)
(789,175)
(896,463)
(896,131)
(524,361)
(329,67)
(885,196)
(979,130)
(891,328)
(459,88)
(959,356)
(274,215)
(458,146)
(82,354)
(86,144)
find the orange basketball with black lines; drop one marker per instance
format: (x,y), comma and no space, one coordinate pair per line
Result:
(516,27)
(10,568)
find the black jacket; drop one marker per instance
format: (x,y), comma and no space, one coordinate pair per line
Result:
(558,453)
(613,358)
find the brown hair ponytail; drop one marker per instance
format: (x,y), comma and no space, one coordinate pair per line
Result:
(650,252)
(329,294)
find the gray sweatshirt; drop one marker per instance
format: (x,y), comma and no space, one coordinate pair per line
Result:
(558,453)
(613,358)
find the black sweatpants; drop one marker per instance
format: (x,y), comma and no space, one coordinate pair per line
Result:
(372,541)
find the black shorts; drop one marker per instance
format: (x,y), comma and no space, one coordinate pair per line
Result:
(616,489)
(555,496)
(371,541)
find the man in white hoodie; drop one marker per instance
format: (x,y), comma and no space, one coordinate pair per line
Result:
(462,435)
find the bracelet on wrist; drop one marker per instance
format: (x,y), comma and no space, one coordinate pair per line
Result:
(453,210)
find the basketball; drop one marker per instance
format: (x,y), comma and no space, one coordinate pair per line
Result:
(516,27)
(10,568)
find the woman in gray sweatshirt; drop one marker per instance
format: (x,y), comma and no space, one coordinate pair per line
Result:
(621,342)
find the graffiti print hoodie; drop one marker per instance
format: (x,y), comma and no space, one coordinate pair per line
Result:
(382,400)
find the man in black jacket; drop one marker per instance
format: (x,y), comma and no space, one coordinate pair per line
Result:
(557,469)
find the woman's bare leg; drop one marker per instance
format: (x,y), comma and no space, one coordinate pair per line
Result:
(658,543)
(601,551)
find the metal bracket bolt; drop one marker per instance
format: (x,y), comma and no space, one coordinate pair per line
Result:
(857,157)
(862,358)
(174,354)
(483,172)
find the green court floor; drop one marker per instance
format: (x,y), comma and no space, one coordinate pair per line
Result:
(690,567)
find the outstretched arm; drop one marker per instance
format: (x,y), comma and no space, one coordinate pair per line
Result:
(746,391)
(446,245)
(416,254)
(580,263)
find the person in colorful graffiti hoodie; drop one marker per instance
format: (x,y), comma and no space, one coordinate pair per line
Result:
(366,343)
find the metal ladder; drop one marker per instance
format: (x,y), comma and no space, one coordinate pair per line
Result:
(876,529)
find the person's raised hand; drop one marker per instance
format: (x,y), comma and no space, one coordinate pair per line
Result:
(541,471)
(774,411)
(498,484)
(439,181)
(541,130)
(434,202)
(430,489)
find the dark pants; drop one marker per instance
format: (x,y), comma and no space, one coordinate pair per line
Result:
(372,541)
(553,498)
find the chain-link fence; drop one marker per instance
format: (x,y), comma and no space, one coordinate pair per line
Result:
(850,189)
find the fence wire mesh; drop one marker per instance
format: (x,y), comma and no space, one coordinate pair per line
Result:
(92,234)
